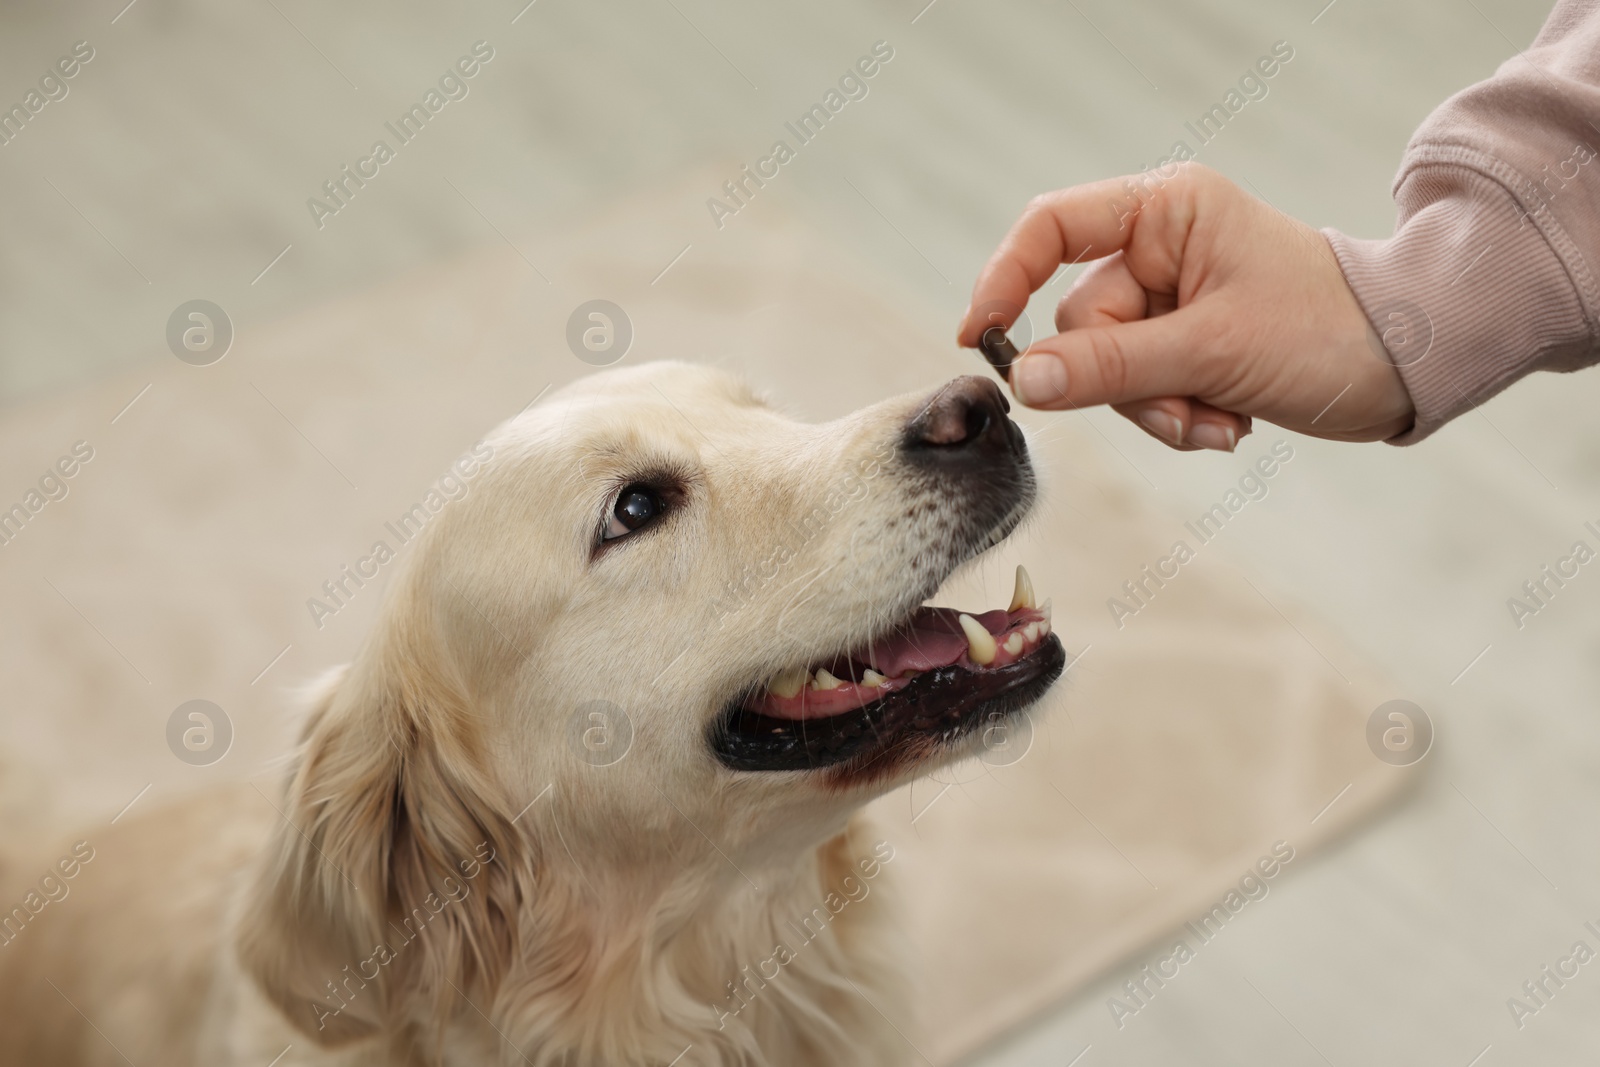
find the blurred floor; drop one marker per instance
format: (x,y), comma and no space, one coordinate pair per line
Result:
(180,163)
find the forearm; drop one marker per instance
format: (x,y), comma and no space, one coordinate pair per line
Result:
(1494,269)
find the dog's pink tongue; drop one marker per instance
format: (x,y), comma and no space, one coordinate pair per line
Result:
(934,639)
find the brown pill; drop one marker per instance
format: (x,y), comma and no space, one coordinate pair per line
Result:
(998,350)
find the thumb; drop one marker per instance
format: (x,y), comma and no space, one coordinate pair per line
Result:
(1126,361)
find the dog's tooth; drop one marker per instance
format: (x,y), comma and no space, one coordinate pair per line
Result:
(980,642)
(872,678)
(1030,632)
(826,680)
(1023,597)
(1013,643)
(788,684)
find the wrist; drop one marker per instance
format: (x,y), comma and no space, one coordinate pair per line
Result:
(1466,297)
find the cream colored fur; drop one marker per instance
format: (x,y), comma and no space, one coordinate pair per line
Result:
(573,914)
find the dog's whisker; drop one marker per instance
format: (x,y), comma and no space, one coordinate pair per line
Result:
(555,823)
(549,786)
(659,674)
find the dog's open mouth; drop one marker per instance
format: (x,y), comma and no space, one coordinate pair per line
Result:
(929,681)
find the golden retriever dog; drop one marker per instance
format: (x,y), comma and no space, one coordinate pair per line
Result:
(590,792)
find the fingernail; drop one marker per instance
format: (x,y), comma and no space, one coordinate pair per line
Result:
(1167,427)
(1210,435)
(1039,380)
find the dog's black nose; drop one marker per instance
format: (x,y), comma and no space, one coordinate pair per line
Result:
(975,480)
(965,419)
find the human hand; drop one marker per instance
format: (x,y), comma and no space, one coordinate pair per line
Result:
(1205,307)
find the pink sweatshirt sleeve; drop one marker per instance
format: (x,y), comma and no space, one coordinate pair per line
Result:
(1492,270)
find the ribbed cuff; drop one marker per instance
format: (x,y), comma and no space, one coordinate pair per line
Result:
(1468,295)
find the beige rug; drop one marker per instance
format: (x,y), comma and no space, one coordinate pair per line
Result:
(1177,750)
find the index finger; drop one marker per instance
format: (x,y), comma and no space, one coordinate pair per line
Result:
(1085,222)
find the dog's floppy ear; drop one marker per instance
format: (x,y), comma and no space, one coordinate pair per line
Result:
(395,878)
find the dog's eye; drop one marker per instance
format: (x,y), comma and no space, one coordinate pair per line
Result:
(637,506)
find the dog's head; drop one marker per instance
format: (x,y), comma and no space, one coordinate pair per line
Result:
(658,615)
